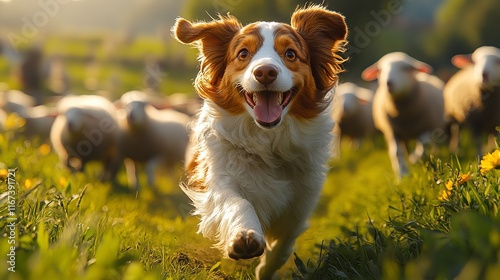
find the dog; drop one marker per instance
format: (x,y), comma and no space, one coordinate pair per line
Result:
(260,146)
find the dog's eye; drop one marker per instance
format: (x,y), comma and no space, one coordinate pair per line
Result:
(290,55)
(243,54)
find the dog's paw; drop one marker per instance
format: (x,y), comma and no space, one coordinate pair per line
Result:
(246,245)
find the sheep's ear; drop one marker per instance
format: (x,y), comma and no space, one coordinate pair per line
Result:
(53,113)
(370,73)
(423,67)
(118,104)
(461,60)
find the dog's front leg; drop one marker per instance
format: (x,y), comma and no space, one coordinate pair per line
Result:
(278,253)
(240,231)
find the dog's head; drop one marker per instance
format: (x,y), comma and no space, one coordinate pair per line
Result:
(268,69)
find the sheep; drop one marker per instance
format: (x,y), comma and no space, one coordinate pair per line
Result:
(38,119)
(472,95)
(15,101)
(408,104)
(183,103)
(3,118)
(38,123)
(352,113)
(150,136)
(12,101)
(86,129)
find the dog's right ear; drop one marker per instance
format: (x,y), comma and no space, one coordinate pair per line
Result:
(220,31)
(213,39)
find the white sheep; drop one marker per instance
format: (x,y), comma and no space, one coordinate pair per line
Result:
(352,113)
(184,103)
(15,101)
(472,95)
(3,118)
(150,136)
(86,129)
(408,104)
(38,123)
(38,120)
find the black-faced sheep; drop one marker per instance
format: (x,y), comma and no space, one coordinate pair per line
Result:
(86,129)
(472,95)
(352,113)
(150,136)
(408,104)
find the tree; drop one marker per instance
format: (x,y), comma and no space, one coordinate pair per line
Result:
(245,11)
(462,26)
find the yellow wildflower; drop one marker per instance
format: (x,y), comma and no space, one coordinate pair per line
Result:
(3,173)
(14,121)
(44,149)
(490,161)
(445,195)
(449,185)
(28,183)
(62,182)
(464,178)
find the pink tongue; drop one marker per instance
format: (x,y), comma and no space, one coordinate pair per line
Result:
(267,108)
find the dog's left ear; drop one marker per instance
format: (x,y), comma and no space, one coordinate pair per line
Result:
(325,34)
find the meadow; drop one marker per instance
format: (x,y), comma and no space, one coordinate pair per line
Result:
(366,226)
(440,222)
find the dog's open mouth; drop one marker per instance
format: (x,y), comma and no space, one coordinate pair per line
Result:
(268,105)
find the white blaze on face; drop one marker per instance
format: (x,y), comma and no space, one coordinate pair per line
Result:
(267,55)
(268,98)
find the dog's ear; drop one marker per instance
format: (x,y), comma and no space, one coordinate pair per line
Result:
(325,34)
(212,39)
(210,33)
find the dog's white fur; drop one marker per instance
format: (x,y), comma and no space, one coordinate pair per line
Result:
(260,180)
(259,185)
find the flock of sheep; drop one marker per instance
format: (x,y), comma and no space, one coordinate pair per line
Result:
(408,104)
(411,104)
(135,130)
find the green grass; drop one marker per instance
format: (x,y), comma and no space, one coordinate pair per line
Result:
(366,225)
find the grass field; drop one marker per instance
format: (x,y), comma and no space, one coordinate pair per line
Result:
(441,222)
(366,226)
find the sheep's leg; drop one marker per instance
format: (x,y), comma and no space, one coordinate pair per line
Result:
(336,150)
(132,173)
(491,144)
(151,168)
(396,151)
(420,147)
(65,160)
(81,167)
(112,168)
(416,155)
(454,137)
(478,143)
(355,143)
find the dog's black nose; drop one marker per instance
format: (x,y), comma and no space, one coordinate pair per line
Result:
(265,74)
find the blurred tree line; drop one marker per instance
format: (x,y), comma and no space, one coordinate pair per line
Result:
(464,25)
(430,30)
